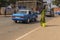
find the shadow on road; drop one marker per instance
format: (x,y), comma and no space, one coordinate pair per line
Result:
(28,23)
(52,25)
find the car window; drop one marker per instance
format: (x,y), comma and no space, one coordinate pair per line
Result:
(22,12)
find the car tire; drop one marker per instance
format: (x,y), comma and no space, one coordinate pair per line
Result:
(15,21)
(28,21)
(35,19)
(59,14)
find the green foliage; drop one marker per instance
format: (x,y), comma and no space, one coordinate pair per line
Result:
(57,2)
(12,1)
(4,3)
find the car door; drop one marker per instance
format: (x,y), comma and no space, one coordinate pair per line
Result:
(30,15)
(35,15)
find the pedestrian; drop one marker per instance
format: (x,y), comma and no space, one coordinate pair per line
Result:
(43,17)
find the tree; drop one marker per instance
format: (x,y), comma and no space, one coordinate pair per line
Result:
(57,2)
(7,2)
(4,3)
(12,1)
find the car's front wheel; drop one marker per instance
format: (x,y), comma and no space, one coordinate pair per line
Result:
(15,21)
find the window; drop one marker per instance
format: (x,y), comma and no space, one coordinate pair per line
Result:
(25,12)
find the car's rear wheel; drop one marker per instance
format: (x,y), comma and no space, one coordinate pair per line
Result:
(15,21)
(59,14)
(35,19)
(27,21)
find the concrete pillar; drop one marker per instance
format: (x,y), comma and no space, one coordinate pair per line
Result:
(2,10)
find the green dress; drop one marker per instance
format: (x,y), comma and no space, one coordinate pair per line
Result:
(42,17)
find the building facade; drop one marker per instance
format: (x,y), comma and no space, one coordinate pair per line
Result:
(30,4)
(34,4)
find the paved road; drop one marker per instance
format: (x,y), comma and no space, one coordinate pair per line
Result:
(10,30)
(51,32)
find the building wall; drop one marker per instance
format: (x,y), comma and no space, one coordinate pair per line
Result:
(2,10)
(31,4)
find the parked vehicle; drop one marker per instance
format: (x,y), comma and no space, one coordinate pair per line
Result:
(50,13)
(24,16)
(58,12)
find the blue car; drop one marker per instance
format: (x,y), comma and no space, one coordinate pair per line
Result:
(24,16)
(58,12)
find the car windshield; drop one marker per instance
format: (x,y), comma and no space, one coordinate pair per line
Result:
(25,12)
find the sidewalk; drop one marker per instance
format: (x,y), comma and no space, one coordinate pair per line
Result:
(51,32)
(5,15)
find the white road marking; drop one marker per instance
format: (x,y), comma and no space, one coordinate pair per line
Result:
(27,33)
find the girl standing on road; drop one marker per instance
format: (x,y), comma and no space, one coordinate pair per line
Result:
(43,16)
